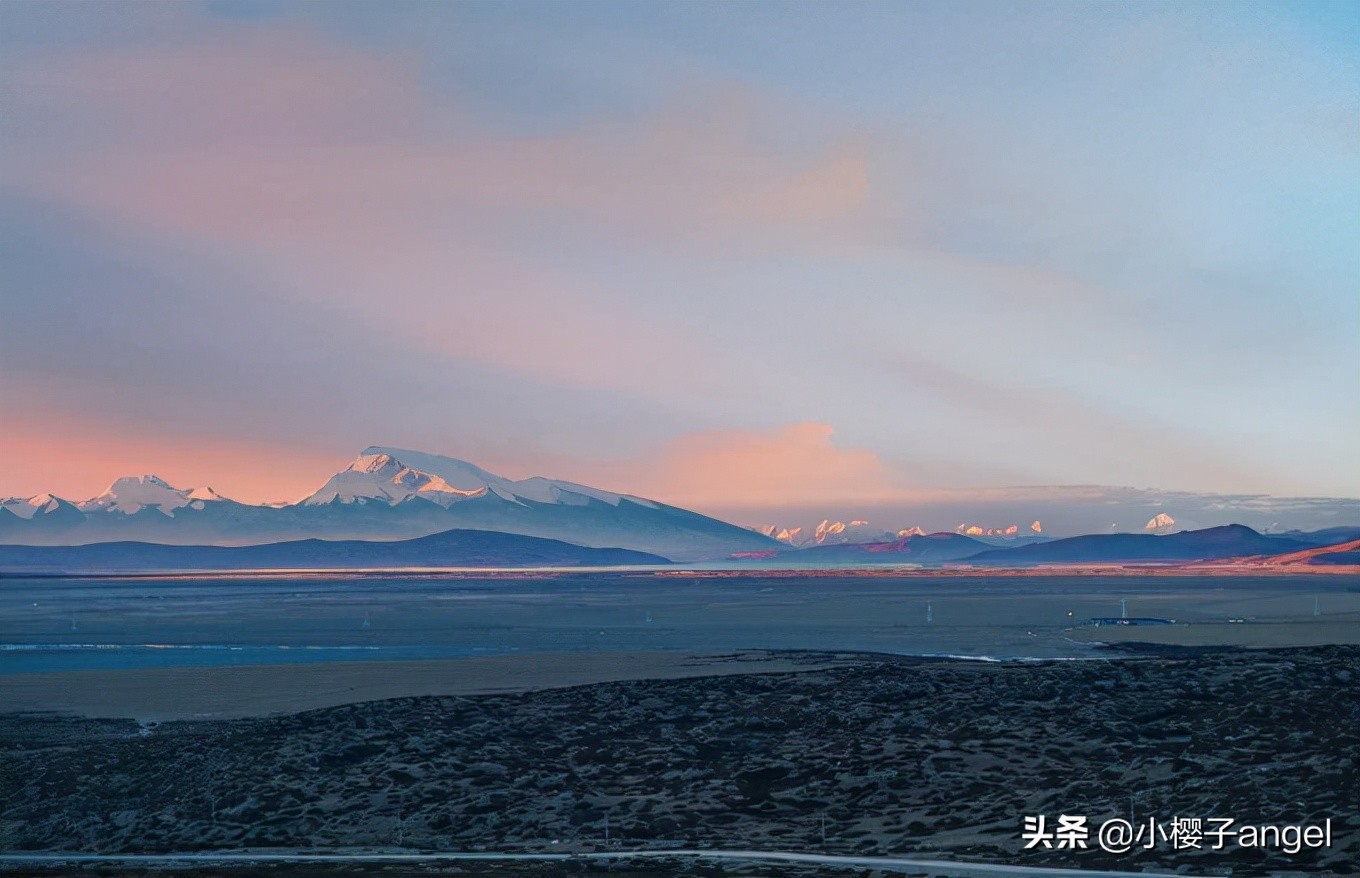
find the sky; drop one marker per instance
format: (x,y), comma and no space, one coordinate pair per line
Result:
(744,257)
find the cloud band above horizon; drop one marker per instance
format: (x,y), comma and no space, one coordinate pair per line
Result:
(1054,245)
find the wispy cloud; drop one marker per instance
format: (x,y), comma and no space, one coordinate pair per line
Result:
(1117,250)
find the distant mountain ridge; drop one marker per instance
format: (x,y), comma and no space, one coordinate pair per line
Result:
(1339,554)
(384,494)
(390,493)
(926,549)
(1227,541)
(453,548)
(1231,543)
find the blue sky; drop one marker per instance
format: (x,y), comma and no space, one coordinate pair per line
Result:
(740,256)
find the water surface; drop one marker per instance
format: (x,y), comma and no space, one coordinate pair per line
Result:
(58,624)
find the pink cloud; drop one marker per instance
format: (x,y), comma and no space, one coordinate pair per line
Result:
(76,458)
(796,464)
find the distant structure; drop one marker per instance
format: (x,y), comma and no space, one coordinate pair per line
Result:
(1037,527)
(1124,618)
(930,614)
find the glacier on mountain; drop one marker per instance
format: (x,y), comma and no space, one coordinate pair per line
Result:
(392,475)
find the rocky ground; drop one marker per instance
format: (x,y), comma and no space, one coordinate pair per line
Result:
(884,756)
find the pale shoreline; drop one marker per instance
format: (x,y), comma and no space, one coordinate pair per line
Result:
(231,692)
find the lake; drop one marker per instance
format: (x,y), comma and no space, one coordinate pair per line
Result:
(51,624)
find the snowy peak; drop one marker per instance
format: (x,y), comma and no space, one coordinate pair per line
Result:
(859,531)
(1160,523)
(131,494)
(457,473)
(393,475)
(379,475)
(979,530)
(788,535)
(371,463)
(35,506)
(44,502)
(856,530)
(387,468)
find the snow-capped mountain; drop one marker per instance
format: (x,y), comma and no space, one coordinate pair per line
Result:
(1161,523)
(39,506)
(860,532)
(853,532)
(391,475)
(384,494)
(131,494)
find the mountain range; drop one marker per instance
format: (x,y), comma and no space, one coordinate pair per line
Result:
(1333,546)
(384,494)
(453,548)
(859,532)
(397,496)
(1227,541)
(1232,544)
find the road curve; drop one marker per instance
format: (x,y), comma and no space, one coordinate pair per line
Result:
(936,868)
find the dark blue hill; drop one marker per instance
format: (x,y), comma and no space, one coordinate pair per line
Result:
(453,548)
(1228,541)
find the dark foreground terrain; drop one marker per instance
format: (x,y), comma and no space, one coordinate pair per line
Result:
(886,756)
